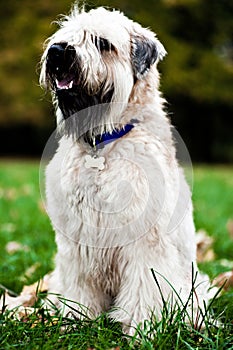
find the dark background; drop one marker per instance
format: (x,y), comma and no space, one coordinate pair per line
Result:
(197,74)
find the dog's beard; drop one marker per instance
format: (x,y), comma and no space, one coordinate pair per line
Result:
(71,101)
(84,113)
(74,96)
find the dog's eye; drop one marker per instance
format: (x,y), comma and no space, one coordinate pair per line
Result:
(103,44)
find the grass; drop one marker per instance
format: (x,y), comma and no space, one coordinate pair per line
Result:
(24,220)
(213,210)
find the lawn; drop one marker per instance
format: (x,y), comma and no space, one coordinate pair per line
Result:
(24,220)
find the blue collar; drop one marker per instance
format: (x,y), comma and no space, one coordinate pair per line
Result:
(101,140)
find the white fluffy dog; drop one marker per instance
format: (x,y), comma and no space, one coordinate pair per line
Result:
(116,197)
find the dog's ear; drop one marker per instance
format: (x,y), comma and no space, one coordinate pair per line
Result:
(145,52)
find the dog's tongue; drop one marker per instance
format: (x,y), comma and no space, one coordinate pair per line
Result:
(65,83)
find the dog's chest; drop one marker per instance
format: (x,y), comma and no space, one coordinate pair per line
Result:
(110,207)
(91,191)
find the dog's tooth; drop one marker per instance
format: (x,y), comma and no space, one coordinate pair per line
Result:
(70,85)
(59,85)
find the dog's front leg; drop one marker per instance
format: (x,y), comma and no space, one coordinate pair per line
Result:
(73,290)
(137,298)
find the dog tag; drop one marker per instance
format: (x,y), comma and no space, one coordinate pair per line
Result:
(94,162)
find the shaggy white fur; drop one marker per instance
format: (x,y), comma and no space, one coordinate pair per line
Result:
(114,224)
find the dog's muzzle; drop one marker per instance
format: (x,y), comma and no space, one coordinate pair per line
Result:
(61,66)
(65,77)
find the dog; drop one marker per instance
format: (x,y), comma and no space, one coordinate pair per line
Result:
(115,193)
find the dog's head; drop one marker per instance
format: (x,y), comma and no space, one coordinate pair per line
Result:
(97,57)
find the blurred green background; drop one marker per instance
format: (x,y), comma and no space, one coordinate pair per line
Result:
(197,74)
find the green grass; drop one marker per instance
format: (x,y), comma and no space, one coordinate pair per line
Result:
(213,208)
(23,220)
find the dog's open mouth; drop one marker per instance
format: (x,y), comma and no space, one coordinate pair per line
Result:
(65,84)
(68,82)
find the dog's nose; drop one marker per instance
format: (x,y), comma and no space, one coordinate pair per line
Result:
(57,50)
(60,58)
(56,58)
(56,55)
